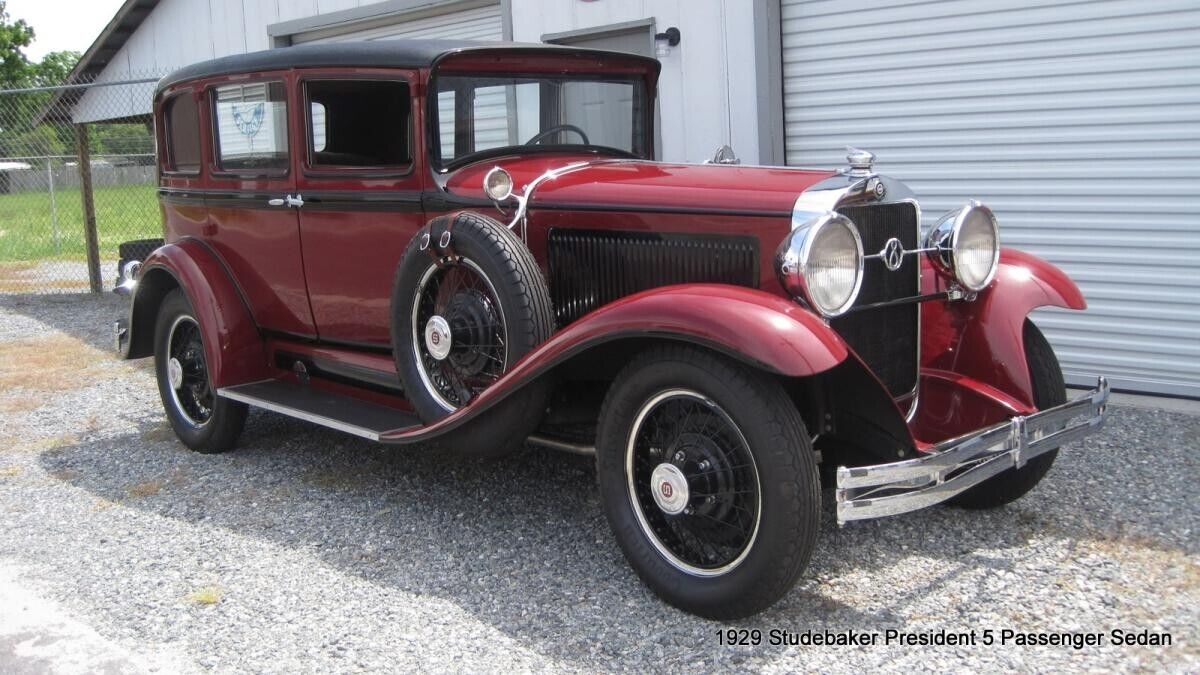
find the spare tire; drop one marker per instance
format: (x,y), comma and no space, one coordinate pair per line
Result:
(468,302)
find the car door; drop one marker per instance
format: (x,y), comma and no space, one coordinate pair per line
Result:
(362,197)
(252,205)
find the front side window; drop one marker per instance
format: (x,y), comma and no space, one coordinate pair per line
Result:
(361,123)
(484,113)
(251,127)
(182,118)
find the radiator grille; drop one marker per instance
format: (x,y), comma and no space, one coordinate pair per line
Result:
(886,338)
(590,268)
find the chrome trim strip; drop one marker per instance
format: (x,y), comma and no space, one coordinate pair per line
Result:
(958,464)
(322,420)
(562,446)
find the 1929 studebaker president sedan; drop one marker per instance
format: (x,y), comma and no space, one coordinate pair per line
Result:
(469,245)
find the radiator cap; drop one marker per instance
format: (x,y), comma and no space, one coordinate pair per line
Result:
(861,162)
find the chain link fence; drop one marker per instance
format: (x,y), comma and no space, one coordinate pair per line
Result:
(77,179)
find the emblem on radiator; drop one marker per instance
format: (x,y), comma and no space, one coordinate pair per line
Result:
(892,254)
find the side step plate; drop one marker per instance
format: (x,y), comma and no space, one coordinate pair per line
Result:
(344,413)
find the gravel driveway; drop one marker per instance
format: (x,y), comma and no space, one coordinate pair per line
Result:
(309,550)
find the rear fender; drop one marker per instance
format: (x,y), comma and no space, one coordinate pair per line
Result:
(983,339)
(232,345)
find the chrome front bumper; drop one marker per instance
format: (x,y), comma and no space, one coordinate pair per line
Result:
(959,464)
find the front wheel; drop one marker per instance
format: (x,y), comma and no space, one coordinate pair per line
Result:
(204,421)
(708,481)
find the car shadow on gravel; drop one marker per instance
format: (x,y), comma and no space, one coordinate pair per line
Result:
(522,543)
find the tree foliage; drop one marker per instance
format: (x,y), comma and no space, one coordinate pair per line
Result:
(14,37)
(25,132)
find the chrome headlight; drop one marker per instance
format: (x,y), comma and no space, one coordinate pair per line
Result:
(821,263)
(498,184)
(965,244)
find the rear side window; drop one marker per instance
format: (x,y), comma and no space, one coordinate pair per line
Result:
(251,127)
(182,117)
(362,123)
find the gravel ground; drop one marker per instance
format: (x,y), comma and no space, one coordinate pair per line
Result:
(309,550)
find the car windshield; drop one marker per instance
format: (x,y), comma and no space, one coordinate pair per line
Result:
(485,114)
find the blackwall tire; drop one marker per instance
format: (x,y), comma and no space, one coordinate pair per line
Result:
(1049,390)
(748,460)
(468,302)
(202,420)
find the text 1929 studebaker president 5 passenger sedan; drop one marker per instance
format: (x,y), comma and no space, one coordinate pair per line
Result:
(469,244)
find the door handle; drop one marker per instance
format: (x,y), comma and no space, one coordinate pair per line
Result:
(287,200)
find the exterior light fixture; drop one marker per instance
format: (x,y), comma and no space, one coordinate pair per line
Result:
(665,40)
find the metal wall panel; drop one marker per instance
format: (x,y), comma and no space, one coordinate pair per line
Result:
(1078,122)
(482,23)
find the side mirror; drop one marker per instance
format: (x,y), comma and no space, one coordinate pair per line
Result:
(723,155)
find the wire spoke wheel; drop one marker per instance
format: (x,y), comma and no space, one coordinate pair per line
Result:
(693,483)
(460,339)
(187,372)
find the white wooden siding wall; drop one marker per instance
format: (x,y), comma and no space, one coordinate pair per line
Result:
(181,32)
(1079,123)
(706,92)
(483,23)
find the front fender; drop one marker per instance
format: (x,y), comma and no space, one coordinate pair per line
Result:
(232,345)
(983,339)
(761,329)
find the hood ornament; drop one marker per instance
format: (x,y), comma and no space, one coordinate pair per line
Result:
(723,155)
(861,162)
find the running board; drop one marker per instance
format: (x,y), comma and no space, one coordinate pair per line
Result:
(336,411)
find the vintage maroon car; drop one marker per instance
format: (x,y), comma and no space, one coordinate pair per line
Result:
(469,244)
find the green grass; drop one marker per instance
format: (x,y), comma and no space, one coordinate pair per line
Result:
(122,213)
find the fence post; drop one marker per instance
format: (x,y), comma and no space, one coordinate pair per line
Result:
(53,205)
(89,208)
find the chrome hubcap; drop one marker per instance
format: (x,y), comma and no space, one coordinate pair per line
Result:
(693,484)
(459,339)
(437,337)
(670,488)
(175,373)
(187,372)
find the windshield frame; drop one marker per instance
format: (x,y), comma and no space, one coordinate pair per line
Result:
(433,131)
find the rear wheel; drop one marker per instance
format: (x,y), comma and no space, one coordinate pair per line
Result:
(204,421)
(1049,390)
(708,481)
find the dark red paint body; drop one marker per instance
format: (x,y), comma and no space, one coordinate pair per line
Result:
(317,281)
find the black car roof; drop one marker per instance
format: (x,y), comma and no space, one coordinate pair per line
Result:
(378,53)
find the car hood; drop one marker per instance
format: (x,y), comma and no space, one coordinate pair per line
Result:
(589,182)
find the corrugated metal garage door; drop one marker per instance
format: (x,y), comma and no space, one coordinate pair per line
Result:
(482,23)
(1078,122)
